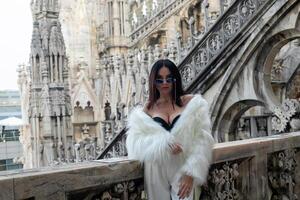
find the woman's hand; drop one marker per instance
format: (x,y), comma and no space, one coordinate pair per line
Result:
(175,148)
(186,186)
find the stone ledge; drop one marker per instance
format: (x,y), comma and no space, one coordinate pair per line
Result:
(251,147)
(56,182)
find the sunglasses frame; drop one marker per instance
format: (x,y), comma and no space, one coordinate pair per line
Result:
(167,80)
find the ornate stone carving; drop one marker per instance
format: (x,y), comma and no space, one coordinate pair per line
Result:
(215,43)
(222,183)
(48,88)
(131,190)
(281,174)
(201,59)
(108,132)
(247,8)
(230,26)
(284,114)
(221,32)
(277,68)
(187,75)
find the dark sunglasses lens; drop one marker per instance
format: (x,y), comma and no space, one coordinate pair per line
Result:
(159,81)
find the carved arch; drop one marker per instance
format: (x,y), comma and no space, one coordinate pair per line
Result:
(264,63)
(230,118)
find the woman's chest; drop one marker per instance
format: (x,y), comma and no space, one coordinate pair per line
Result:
(166,113)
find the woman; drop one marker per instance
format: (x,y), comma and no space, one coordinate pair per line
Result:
(171,136)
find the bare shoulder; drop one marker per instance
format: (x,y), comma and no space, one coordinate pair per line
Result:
(186,98)
(145,108)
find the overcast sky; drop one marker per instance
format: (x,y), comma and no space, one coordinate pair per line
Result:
(15,36)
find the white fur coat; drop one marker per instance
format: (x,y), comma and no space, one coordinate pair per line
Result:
(148,141)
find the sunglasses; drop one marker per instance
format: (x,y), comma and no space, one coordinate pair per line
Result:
(161,81)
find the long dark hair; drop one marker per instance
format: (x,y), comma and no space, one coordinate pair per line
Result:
(177,90)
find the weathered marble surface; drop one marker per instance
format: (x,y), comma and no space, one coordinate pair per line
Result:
(246,159)
(56,183)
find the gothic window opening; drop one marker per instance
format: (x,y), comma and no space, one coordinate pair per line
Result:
(37,70)
(285,72)
(58,66)
(62,66)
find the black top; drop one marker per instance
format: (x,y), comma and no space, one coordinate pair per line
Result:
(164,124)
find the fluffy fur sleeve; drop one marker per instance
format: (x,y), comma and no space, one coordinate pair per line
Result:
(199,155)
(146,141)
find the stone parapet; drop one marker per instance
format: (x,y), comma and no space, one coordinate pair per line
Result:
(247,169)
(74,181)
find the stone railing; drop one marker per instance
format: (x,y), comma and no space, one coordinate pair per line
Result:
(150,18)
(199,61)
(121,179)
(259,168)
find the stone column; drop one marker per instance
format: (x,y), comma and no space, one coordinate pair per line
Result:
(51,68)
(269,125)
(56,68)
(127,23)
(37,139)
(60,68)
(116,18)
(110,18)
(34,147)
(253,127)
(124,17)
(59,137)
(65,138)
(106,25)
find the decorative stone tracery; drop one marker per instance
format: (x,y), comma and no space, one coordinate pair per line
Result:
(222,183)
(282,175)
(131,190)
(289,110)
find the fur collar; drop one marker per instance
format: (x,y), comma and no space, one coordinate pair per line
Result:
(138,116)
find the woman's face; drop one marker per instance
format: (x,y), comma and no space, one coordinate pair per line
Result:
(164,81)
